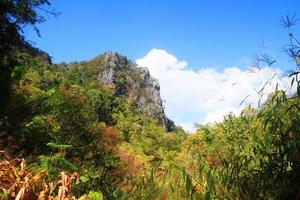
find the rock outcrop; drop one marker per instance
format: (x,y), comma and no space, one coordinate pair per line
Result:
(136,83)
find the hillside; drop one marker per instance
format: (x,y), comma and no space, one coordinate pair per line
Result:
(104,119)
(126,79)
(97,129)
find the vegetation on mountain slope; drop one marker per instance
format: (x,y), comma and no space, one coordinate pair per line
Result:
(86,132)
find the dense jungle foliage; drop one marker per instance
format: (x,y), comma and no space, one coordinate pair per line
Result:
(80,140)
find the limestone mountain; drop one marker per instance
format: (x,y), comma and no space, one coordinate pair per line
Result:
(126,78)
(136,83)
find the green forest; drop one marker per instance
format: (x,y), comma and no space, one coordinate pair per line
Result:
(66,135)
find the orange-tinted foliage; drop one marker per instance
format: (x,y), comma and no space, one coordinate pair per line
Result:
(111,137)
(73,95)
(131,166)
(21,184)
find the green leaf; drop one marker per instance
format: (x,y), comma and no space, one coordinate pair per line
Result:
(16,73)
(58,146)
(84,179)
(294,73)
(292,82)
(244,100)
(95,195)
(29,124)
(4,193)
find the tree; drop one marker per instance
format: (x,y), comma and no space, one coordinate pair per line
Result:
(15,15)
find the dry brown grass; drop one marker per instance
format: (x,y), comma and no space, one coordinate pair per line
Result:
(17,182)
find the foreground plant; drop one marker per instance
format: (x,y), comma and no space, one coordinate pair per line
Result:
(18,183)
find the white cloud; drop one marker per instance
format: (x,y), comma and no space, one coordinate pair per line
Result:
(188,126)
(207,95)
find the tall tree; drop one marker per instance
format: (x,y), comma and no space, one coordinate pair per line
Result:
(15,15)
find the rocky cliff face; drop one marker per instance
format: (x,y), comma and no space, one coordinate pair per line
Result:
(126,78)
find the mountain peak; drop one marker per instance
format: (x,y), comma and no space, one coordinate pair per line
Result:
(126,78)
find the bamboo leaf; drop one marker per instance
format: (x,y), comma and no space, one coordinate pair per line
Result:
(4,194)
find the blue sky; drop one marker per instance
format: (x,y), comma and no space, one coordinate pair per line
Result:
(204,33)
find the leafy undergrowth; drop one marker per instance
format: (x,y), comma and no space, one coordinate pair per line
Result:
(64,122)
(17,182)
